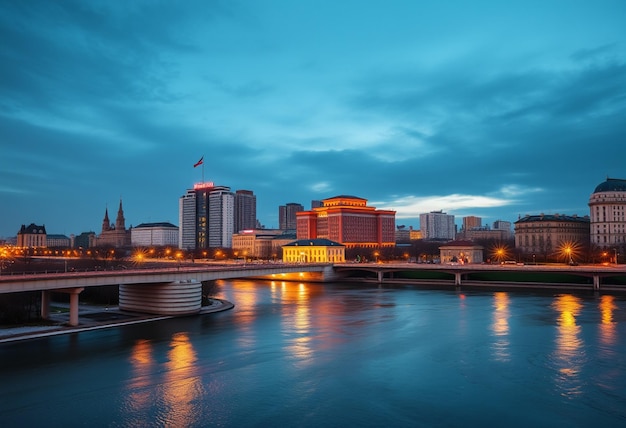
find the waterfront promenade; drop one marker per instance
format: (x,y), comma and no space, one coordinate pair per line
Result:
(93,318)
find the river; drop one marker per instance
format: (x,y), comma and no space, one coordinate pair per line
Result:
(335,355)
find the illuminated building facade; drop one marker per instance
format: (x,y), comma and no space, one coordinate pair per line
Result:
(349,221)
(547,234)
(206,217)
(461,252)
(607,206)
(314,251)
(32,236)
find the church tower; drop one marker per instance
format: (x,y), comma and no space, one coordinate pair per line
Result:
(106,224)
(120,222)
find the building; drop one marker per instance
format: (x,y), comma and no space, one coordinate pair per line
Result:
(314,251)
(349,221)
(58,241)
(287,216)
(461,252)
(549,235)
(256,243)
(154,235)
(472,222)
(437,225)
(245,210)
(32,236)
(206,217)
(607,208)
(114,235)
(85,240)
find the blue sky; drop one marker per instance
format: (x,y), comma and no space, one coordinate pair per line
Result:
(487,108)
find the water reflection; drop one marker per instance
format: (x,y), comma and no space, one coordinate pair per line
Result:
(569,355)
(142,363)
(297,322)
(500,327)
(182,384)
(607,326)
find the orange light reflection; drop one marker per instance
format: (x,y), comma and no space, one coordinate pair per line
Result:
(500,327)
(567,355)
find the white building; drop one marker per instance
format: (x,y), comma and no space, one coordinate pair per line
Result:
(607,208)
(187,220)
(154,235)
(437,225)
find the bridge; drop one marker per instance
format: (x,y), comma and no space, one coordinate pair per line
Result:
(178,290)
(595,277)
(163,291)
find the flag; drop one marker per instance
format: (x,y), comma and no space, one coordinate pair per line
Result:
(200,162)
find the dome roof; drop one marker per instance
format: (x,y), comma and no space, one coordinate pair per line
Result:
(611,185)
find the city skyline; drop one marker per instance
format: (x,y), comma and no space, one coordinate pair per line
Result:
(490,110)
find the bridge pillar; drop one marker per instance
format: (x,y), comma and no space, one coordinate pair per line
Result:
(457,278)
(380,276)
(171,298)
(73,292)
(596,282)
(45,304)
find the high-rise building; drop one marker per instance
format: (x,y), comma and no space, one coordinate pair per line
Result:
(607,206)
(437,225)
(245,210)
(472,222)
(187,220)
(349,221)
(206,212)
(287,216)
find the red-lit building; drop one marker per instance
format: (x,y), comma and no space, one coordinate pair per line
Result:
(349,221)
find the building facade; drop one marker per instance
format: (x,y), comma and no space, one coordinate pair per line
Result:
(549,235)
(437,225)
(314,251)
(287,216)
(32,236)
(607,208)
(58,241)
(206,217)
(154,235)
(461,252)
(349,221)
(256,243)
(245,210)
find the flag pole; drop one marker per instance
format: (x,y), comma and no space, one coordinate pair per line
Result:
(202,169)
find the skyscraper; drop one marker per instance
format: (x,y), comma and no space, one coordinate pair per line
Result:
(245,210)
(206,217)
(287,215)
(437,225)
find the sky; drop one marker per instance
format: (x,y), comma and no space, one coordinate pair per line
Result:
(477,108)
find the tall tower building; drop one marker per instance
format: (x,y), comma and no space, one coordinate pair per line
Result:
(287,215)
(206,212)
(245,210)
(437,225)
(187,220)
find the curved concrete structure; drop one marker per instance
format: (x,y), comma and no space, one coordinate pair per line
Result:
(172,298)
